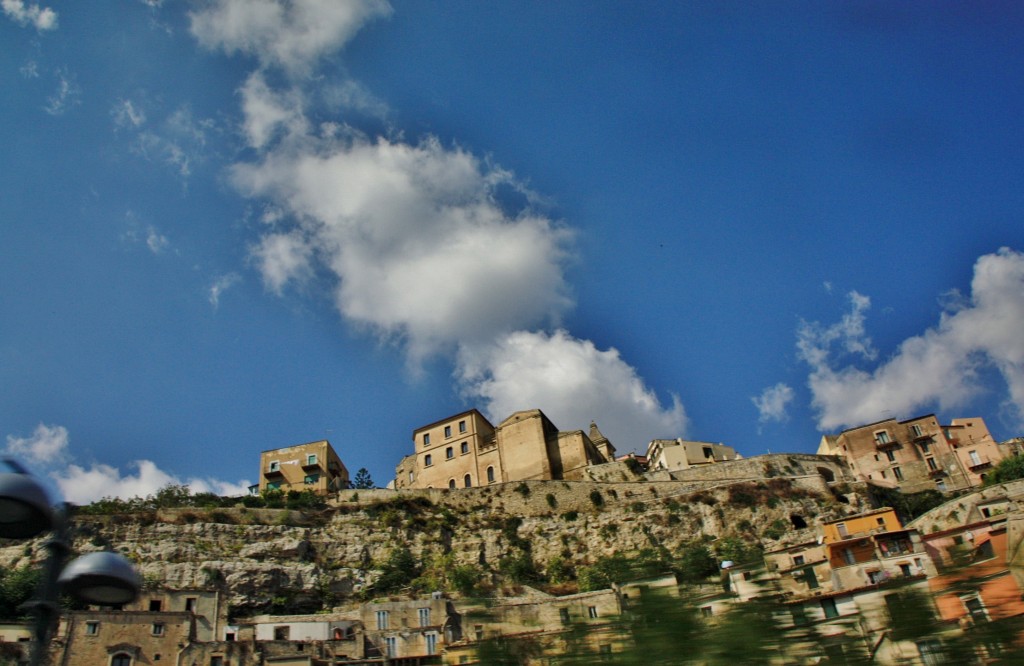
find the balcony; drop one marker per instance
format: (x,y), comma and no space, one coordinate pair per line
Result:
(313,464)
(923,437)
(979,464)
(936,472)
(886,444)
(273,471)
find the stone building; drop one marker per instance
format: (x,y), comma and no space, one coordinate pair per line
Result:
(680,454)
(313,466)
(918,454)
(465,450)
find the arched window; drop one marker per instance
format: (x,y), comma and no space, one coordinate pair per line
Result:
(121,659)
(490,475)
(467,481)
(451,483)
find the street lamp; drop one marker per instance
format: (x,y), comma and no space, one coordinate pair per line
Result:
(97,578)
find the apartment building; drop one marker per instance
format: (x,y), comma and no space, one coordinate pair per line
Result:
(679,454)
(465,450)
(312,466)
(918,454)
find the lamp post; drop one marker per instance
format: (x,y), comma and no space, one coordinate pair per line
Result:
(97,578)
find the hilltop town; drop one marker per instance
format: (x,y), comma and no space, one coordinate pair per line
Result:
(543,544)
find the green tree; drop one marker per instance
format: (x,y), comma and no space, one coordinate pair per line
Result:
(16,587)
(398,571)
(1008,469)
(363,480)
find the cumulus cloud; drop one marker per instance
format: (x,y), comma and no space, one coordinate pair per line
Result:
(46,444)
(939,367)
(773,402)
(572,381)
(48,448)
(291,35)
(41,18)
(419,247)
(268,112)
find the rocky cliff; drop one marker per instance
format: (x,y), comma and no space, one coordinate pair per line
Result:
(279,560)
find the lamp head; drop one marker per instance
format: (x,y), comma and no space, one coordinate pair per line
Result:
(107,579)
(25,509)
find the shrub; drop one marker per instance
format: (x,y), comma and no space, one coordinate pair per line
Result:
(597,498)
(1008,469)
(523,489)
(552,502)
(637,507)
(570,515)
(519,568)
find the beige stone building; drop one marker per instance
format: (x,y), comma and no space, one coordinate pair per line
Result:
(918,454)
(680,454)
(465,450)
(313,466)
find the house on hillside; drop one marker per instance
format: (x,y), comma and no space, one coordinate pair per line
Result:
(465,450)
(679,454)
(918,454)
(312,466)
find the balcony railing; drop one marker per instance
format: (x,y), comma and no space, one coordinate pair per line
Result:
(272,471)
(982,463)
(883,445)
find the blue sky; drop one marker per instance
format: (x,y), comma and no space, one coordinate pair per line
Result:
(230,226)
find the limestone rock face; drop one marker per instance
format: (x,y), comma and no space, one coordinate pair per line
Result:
(273,559)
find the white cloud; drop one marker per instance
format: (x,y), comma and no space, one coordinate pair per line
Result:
(127,115)
(267,112)
(148,234)
(47,448)
(156,242)
(41,18)
(572,382)
(222,284)
(46,444)
(419,247)
(68,94)
(291,35)
(81,485)
(179,140)
(940,366)
(772,403)
(30,70)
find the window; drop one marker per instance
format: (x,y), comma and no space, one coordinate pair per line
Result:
(467,481)
(799,615)
(275,465)
(426,439)
(92,628)
(190,605)
(449,453)
(391,646)
(924,447)
(841,528)
(883,474)
(848,556)
(916,429)
(898,473)
(383,619)
(592,611)
(155,605)
(428,460)
(311,459)
(904,569)
(120,660)
(229,637)
(829,607)
(875,577)
(311,479)
(975,458)
(975,608)
(451,484)
(465,447)
(708,453)
(216,661)
(931,652)
(274,485)
(282,633)
(158,628)
(490,475)
(447,431)
(984,552)
(940,485)
(798,560)
(931,464)
(563,615)
(431,638)
(882,437)
(706,611)
(890,456)
(424,614)
(462,426)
